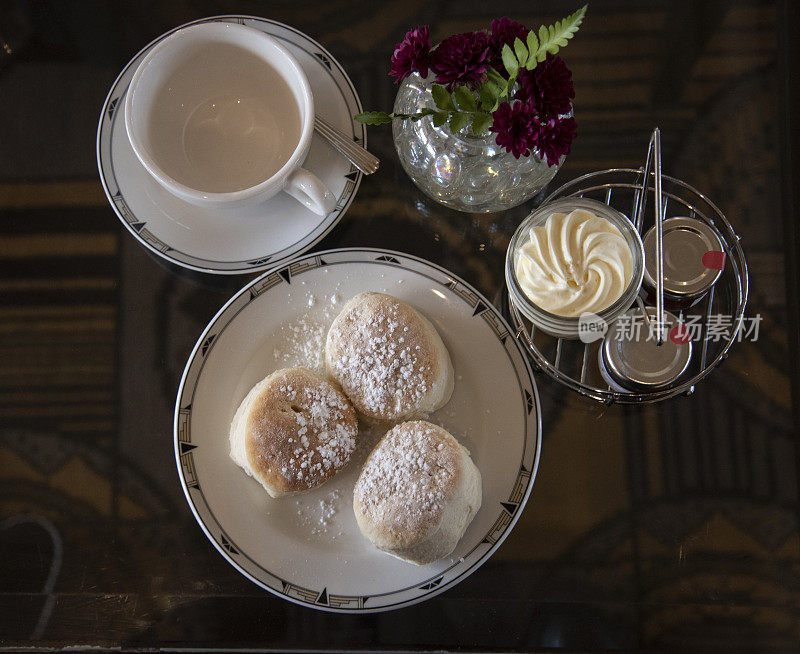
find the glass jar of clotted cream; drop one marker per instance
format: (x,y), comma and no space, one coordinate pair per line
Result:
(570,259)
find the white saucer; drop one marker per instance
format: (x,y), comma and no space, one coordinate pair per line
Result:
(308,548)
(233,241)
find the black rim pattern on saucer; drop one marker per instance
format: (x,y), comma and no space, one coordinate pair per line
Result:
(111,118)
(326,598)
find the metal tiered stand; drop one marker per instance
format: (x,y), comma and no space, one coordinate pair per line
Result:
(574,363)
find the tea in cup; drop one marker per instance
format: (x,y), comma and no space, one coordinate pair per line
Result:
(222,115)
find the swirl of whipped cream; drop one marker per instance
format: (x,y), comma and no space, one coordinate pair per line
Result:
(575,263)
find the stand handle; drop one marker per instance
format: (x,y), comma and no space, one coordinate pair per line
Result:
(654,153)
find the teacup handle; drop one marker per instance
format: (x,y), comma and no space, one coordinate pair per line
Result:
(306,188)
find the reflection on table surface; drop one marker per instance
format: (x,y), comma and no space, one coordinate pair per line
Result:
(669,526)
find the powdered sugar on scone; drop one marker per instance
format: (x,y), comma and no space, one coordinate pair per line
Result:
(407,481)
(387,358)
(301,430)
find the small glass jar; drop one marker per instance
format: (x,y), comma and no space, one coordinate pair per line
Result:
(461,171)
(631,361)
(687,275)
(565,326)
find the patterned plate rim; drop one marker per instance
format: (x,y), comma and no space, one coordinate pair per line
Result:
(322,599)
(163,250)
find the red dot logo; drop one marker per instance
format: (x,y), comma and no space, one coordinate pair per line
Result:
(680,334)
(714,259)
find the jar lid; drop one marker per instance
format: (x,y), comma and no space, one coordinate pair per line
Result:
(632,359)
(693,257)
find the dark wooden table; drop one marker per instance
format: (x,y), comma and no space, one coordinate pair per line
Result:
(671,527)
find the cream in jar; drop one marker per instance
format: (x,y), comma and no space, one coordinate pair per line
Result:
(575,263)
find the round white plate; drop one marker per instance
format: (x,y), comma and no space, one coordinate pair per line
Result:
(308,548)
(233,241)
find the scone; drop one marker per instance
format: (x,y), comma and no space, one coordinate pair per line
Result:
(293,431)
(417,493)
(388,358)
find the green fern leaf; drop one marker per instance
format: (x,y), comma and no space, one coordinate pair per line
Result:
(533,44)
(509,60)
(553,37)
(521,51)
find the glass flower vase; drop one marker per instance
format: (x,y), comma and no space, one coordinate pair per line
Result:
(461,171)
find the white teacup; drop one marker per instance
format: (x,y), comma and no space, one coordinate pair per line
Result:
(220,114)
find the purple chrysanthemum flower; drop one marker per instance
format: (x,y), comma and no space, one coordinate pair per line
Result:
(504,31)
(548,87)
(517,128)
(555,137)
(411,55)
(461,59)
